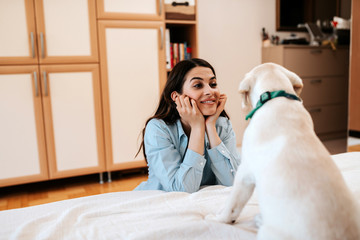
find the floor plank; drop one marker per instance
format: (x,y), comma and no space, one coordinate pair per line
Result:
(56,190)
(355,148)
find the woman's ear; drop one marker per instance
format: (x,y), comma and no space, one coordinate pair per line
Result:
(174,95)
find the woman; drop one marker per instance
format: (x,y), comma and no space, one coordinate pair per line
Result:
(189,142)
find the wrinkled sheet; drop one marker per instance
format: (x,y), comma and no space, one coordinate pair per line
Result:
(145,214)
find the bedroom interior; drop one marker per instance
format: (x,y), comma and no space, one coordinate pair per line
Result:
(233,28)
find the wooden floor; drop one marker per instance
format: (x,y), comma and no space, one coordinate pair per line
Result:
(355,148)
(51,191)
(44,192)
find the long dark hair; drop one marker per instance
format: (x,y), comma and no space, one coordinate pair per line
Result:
(167,108)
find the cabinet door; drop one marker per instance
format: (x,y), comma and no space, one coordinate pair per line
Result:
(72,113)
(131,10)
(132,71)
(22,140)
(18,36)
(66,31)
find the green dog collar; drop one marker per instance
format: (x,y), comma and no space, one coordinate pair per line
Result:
(266,96)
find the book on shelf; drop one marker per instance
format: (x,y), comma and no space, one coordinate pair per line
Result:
(167,45)
(175,51)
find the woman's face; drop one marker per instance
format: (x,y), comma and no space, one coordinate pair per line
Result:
(200,85)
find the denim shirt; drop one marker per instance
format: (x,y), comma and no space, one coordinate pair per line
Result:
(174,167)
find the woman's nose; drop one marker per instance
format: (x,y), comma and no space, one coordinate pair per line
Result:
(208,90)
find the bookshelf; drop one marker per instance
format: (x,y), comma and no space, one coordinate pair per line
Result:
(182,34)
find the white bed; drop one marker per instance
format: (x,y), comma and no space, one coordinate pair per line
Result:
(145,214)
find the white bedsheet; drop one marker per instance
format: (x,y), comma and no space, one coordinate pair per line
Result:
(145,214)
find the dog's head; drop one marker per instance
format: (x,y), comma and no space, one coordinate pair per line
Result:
(268,77)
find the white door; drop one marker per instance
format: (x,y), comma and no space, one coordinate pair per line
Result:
(66,31)
(18,36)
(72,110)
(131,76)
(131,10)
(22,141)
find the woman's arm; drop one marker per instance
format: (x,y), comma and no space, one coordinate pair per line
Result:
(223,152)
(193,121)
(225,157)
(176,168)
(210,123)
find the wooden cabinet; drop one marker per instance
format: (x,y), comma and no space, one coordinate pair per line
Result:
(181,31)
(17,21)
(72,116)
(57,131)
(44,31)
(354,99)
(325,76)
(130,10)
(78,80)
(22,139)
(51,118)
(132,71)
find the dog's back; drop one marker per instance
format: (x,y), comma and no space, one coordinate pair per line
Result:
(298,184)
(302,194)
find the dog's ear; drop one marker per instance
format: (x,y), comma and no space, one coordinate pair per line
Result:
(244,89)
(295,81)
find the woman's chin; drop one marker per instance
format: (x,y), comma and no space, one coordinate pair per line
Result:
(208,112)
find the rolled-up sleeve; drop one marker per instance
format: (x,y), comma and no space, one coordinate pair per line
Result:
(175,173)
(225,158)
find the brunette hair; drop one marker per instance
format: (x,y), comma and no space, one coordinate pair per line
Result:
(166,109)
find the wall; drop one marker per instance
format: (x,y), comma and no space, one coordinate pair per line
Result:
(229,37)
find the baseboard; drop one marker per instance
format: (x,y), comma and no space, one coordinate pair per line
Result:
(353,133)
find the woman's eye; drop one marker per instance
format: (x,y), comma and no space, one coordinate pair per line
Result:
(213,85)
(198,85)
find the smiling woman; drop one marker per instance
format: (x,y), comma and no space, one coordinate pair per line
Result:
(189,142)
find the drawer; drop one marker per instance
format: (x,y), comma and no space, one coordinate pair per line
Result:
(331,118)
(311,62)
(180,10)
(324,90)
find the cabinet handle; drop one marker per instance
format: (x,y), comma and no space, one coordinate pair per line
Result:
(162,38)
(180,4)
(32,44)
(36,85)
(45,83)
(315,110)
(315,81)
(160,7)
(42,45)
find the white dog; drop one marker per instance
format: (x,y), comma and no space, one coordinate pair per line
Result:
(301,192)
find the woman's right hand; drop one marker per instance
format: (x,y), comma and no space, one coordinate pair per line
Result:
(189,112)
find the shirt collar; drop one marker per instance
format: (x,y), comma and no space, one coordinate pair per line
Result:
(180,128)
(182,133)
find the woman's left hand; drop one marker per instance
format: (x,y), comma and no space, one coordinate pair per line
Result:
(211,120)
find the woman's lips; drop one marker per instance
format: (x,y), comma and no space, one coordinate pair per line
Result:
(208,101)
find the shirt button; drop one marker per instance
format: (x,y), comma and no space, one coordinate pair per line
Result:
(231,170)
(222,151)
(202,163)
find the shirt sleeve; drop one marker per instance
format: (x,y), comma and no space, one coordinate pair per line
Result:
(225,158)
(175,173)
